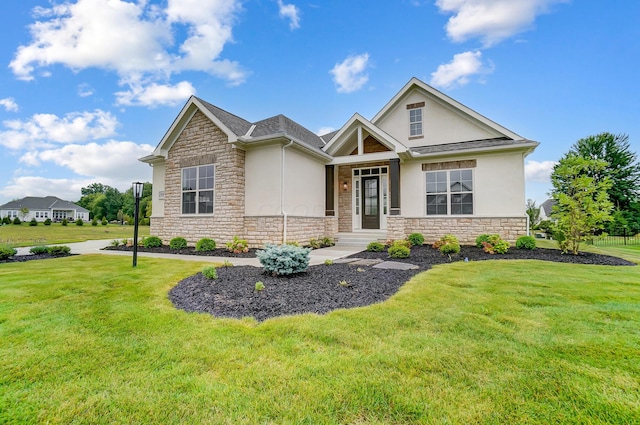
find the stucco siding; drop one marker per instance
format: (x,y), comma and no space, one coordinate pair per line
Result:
(157,197)
(304,185)
(262,189)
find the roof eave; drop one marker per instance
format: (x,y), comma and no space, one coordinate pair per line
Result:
(526,148)
(248,143)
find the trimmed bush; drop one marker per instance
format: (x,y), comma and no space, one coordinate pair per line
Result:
(495,245)
(16,220)
(526,242)
(398,250)
(94,222)
(416,239)
(375,247)
(65,222)
(481,239)
(178,243)
(6,220)
(152,242)
(39,250)
(450,248)
(446,239)
(104,221)
(59,250)
(47,222)
(205,244)
(6,252)
(210,272)
(283,260)
(33,222)
(79,222)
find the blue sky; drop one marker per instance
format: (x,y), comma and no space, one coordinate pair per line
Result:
(89,86)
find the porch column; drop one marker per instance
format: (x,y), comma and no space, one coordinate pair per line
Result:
(394,186)
(329,188)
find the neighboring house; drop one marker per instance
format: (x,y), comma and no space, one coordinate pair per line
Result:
(546,208)
(42,208)
(424,163)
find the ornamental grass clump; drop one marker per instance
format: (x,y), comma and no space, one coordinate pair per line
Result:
(283,260)
(205,244)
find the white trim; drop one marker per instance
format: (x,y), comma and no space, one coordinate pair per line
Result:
(370,157)
(356,219)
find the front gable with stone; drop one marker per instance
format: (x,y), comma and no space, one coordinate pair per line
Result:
(424,163)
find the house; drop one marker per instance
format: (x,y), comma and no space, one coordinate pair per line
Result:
(424,163)
(42,208)
(546,208)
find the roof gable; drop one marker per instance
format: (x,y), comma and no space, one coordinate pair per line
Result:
(342,142)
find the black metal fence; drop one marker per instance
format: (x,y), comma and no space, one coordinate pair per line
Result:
(618,237)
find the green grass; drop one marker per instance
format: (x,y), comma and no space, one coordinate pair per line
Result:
(25,235)
(489,342)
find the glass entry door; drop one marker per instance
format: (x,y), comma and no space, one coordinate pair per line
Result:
(370,202)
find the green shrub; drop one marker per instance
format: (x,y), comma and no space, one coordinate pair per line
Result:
(178,243)
(259,285)
(327,241)
(39,250)
(65,222)
(205,244)
(328,262)
(314,243)
(450,248)
(282,260)
(210,272)
(79,222)
(6,220)
(6,252)
(58,250)
(94,222)
(482,238)
(446,239)
(398,250)
(33,222)
(47,222)
(375,247)
(16,220)
(526,242)
(416,239)
(292,243)
(238,245)
(495,245)
(152,242)
(104,221)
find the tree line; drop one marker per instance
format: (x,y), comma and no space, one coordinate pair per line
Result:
(104,201)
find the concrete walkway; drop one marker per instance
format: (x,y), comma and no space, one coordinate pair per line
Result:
(318,256)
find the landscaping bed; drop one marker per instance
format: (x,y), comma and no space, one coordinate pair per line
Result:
(323,288)
(165,249)
(30,257)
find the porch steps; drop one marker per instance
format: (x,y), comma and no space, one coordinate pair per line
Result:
(361,238)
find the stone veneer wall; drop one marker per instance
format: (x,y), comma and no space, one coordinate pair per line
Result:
(260,230)
(202,138)
(466,229)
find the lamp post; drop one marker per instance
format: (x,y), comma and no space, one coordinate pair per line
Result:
(137,188)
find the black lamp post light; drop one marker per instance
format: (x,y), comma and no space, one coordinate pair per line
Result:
(137,194)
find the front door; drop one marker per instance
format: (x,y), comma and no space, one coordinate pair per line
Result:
(370,202)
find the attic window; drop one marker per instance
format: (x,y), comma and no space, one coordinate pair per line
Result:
(415,119)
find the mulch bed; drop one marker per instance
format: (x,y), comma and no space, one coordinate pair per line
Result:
(23,258)
(319,289)
(165,249)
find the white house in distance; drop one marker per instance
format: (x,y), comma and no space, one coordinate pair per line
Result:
(42,208)
(424,163)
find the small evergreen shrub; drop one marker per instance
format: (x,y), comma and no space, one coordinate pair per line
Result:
(94,222)
(104,221)
(416,239)
(6,220)
(79,222)
(205,244)
(210,272)
(59,250)
(398,250)
(47,222)
(16,220)
(526,242)
(481,239)
(39,250)
(6,252)
(152,242)
(178,243)
(495,245)
(450,248)
(33,222)
(375,247)
(65,222)
(283,260)
(238,245)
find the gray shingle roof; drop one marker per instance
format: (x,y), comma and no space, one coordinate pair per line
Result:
(473,144)
(547,206)
(39,203)
(327,137)
(238,125)
(282,124)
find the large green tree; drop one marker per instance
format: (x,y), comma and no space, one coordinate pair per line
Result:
(582,202)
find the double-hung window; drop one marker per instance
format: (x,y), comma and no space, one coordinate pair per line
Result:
(197,189)
(450,192)
(415,122)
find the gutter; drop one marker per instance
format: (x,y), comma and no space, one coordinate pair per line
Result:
(282,211)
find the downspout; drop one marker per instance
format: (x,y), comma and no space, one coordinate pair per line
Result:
(282,211)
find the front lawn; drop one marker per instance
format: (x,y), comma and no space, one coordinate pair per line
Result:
(480,342)
(25,235)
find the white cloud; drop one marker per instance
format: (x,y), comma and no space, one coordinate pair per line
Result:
(67,189)
(156,94)
(491,20)
(349,75)
(539,172)
(9,104)
(457,72)
(135,40)
(85,90)
(325,130)
(291,12)
(41,130)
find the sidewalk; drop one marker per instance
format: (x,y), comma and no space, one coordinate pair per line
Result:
(318,256)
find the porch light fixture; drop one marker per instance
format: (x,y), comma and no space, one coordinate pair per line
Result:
(137,188)
(345,186)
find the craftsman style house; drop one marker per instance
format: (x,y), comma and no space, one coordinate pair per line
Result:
(424,163)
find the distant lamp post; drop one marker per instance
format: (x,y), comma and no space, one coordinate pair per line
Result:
(137,194)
